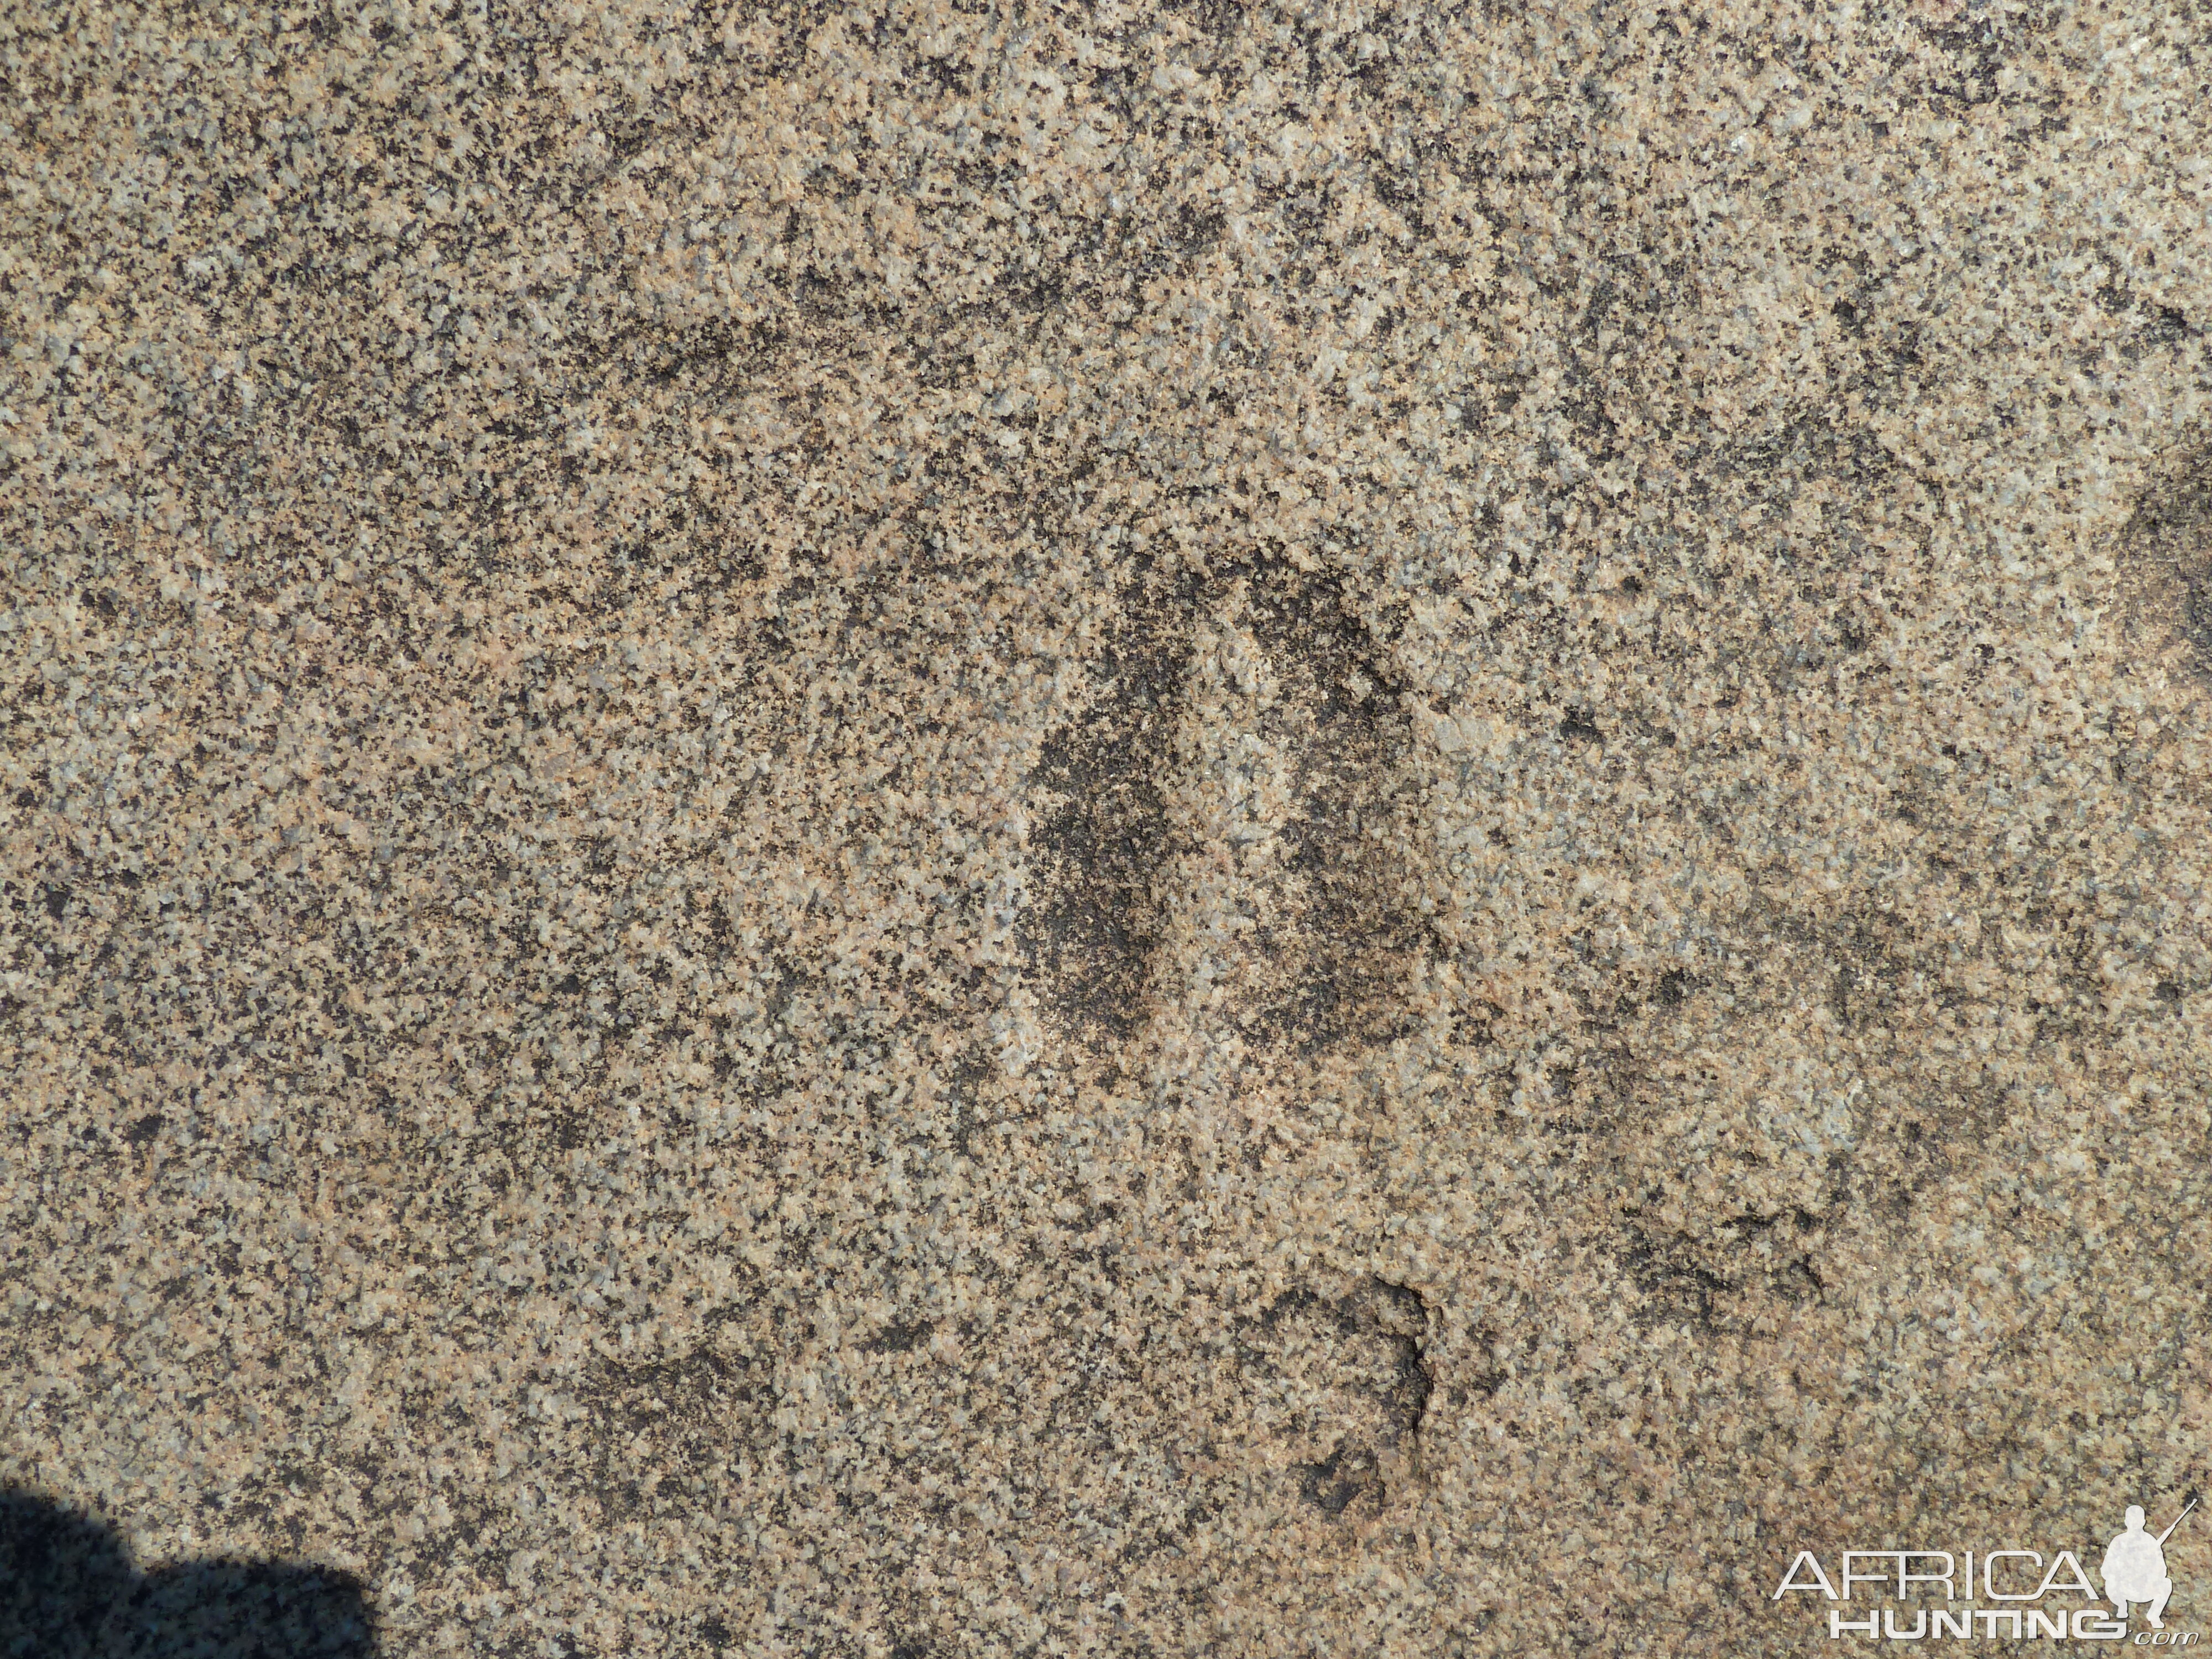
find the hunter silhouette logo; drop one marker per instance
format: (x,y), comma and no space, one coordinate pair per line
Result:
(2134,1566)
(1932,1583)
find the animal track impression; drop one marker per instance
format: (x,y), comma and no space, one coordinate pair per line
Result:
(2166,572)
(1338,1392)
(1233,811)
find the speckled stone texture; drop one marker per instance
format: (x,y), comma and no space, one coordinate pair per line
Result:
(1229,830)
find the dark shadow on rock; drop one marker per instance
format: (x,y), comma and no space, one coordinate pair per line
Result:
(68,1590)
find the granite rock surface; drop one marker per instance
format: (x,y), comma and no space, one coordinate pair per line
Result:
(975,831)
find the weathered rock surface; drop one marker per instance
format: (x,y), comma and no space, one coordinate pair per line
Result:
(939,831)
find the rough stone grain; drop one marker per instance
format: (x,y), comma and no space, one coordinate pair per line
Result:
(974,830)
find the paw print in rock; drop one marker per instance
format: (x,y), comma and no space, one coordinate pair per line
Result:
(68,1590)
(666,1431)
(1338,1390)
